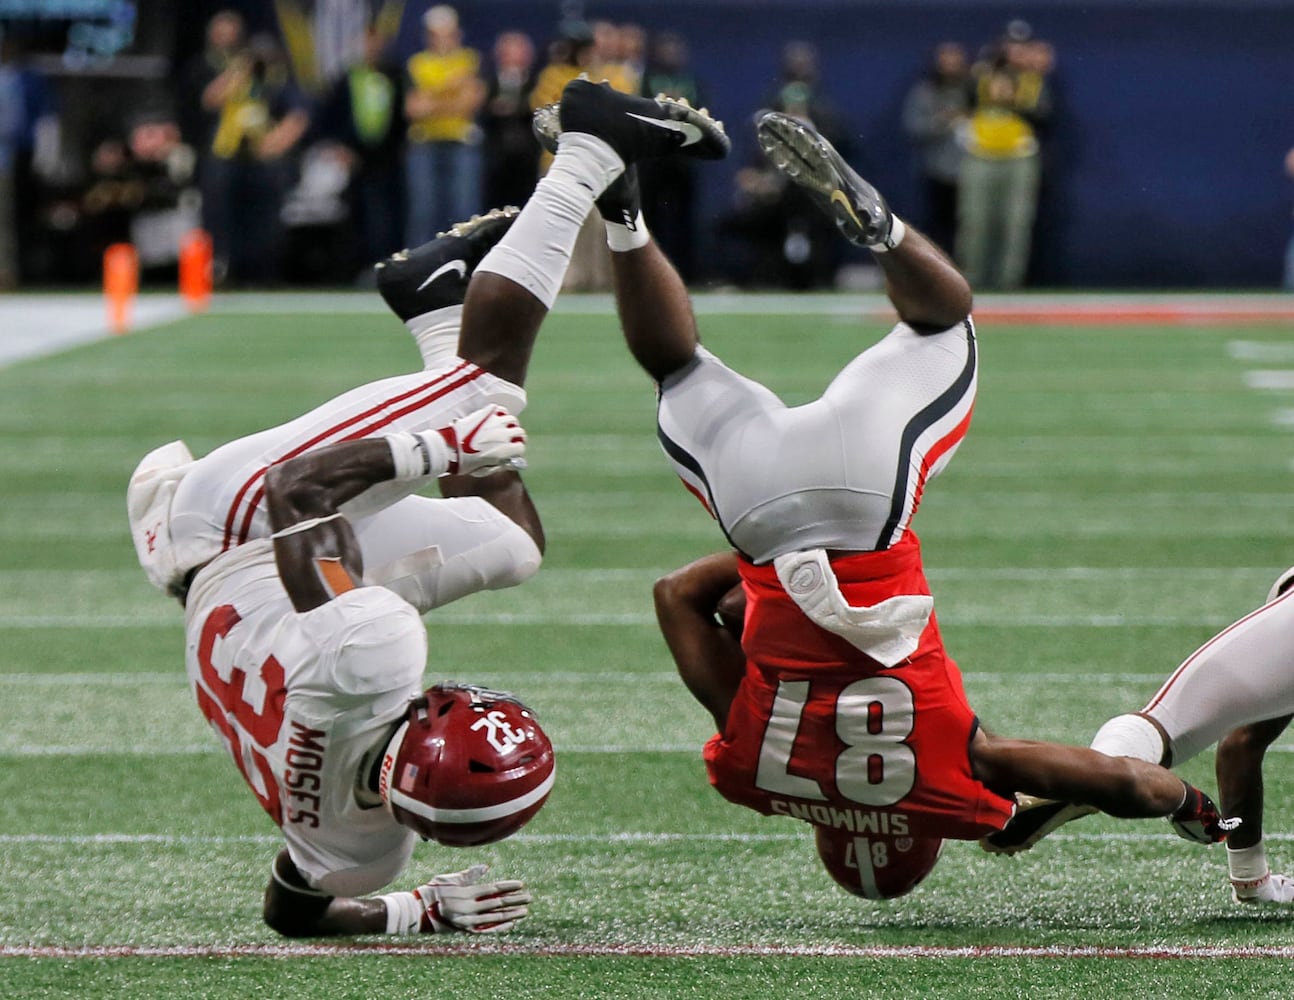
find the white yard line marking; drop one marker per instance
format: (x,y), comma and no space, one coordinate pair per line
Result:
(601,679)
(623,837)
(1261,352)
(1279,379)
(439,618)
(436,947)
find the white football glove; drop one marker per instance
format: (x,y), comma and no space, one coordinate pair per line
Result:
(484,442)
(460,901)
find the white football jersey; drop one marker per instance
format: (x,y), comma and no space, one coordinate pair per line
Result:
(300,700)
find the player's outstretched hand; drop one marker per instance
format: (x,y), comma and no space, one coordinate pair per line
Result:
(1197,819)
(461,901)
(485,441)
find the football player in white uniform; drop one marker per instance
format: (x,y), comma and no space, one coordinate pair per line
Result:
(303,560)
(1235,691)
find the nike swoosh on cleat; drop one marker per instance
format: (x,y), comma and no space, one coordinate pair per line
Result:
(691,134)
(839,197)
(459,265)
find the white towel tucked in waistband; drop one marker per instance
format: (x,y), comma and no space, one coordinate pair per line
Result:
(888,632)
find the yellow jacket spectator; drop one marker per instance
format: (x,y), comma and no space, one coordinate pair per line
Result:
(443,163)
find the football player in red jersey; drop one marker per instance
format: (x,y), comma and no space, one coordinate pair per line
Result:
(837,703)
(303,561)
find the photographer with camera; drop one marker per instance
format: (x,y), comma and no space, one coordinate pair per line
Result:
(252,120)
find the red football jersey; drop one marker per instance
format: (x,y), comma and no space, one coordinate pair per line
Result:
(822,732)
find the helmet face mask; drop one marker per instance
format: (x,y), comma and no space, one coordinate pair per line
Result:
(467,766)
(876,866)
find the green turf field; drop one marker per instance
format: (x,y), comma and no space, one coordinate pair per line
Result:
(1121,495)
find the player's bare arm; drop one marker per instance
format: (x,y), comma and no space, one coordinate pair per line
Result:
(461,901)
(315,547)
(698,616)
(295,910)
(1120,786)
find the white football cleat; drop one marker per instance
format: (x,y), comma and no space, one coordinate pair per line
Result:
(1268,889)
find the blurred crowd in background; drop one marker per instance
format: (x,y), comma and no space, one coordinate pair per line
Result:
(309,175)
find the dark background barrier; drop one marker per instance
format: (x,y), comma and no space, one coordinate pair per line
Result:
(1164,164)
(1166,158)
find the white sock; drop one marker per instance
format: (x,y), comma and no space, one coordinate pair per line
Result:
(898,230)
(536,250)
(624,236)
(436,334)
(1248,864)
(1130,736)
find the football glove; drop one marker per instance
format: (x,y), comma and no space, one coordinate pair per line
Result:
(460,901)
(1197,819)
(485,441)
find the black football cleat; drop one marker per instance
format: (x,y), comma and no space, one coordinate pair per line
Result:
(641,127)
(800,152)
(1032,820)
(621,202)
(436,274)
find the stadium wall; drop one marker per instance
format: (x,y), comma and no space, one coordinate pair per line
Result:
(1165,164)
(1165,168)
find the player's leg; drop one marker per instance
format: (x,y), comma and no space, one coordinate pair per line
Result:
(427,285)
(1239,769)
(602,132)
(927,290)
(508,296)
(651,298)
(1239,677)
(434,551)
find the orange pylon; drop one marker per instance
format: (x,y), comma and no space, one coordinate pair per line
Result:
(195,270)
(120,284)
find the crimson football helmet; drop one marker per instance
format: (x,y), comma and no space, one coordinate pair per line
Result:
(876,866)
(467,766)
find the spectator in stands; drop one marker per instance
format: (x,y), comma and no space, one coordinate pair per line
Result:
(933,112)
(782,237)
(510,152)
(997,193)
(28,136)
(443,159)
(610,57)
(204,81)
(634,48)
(200,108)
(669,189)
(569,55)
(261,120)
(1288,278)
(141,191)
(364,113)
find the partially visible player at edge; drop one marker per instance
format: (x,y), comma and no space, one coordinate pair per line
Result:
(1236,691)
(303,562)
(839,705)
